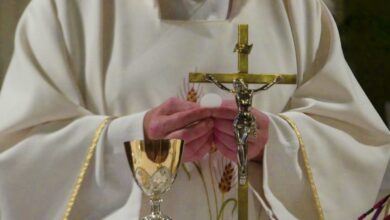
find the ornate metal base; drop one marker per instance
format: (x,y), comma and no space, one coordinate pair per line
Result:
(155,211)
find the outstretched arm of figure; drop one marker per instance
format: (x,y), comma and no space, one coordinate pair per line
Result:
(210,78)
(269,85)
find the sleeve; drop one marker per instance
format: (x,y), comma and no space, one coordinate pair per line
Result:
(346,142)
(46,130)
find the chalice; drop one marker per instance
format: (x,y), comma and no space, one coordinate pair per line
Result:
(154,164)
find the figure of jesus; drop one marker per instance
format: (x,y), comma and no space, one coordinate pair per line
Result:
(244,123)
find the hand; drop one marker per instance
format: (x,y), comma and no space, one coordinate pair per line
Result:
(224,137)
(178,119)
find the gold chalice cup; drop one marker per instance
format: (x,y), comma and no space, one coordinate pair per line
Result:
(154,164)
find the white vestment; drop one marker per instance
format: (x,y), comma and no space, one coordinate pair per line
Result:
(76,62)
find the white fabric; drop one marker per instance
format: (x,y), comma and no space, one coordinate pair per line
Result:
(210,10)
(78,61)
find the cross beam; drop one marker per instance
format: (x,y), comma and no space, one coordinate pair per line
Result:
(197,77)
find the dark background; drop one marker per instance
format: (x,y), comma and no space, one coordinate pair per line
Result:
(365,34)
(364,28)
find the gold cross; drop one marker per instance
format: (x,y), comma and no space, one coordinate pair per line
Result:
(243,50)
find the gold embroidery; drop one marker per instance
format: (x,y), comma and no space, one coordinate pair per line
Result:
(212,174)
(199,169)
(189,92)
(84,167)
(226,176)
(192,95)
(387,207)
(226,181)
(307,167)
(225,185)
(213,148)
(223,206)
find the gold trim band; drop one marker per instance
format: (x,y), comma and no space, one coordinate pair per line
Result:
(306,164)
(84,167)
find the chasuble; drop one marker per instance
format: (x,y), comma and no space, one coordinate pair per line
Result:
(79,62)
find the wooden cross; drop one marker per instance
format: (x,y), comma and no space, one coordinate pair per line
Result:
(243,50)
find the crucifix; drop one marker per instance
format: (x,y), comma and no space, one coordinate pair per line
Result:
(244,123)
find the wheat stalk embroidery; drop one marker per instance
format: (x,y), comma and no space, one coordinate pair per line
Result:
(227,180)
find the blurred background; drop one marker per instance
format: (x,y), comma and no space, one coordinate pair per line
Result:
(364,28)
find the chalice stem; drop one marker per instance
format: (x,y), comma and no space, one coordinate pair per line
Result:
(155,211)
(155,206)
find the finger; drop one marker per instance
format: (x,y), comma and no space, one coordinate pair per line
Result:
(167,124)
(255,151)
(192,149)
(232,155)
(262,120)
(252,139)
(204,149)
(224,113)
(174,105)
(228,140)
(261,137)
(225,126)
(193,132)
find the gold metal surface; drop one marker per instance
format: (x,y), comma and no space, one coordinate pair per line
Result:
(248,78)
(84,167)
(154,164)
(243,201)
(306,164)
(242,48)
(154,158)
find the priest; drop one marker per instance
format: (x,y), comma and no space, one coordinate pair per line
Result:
(88,75)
